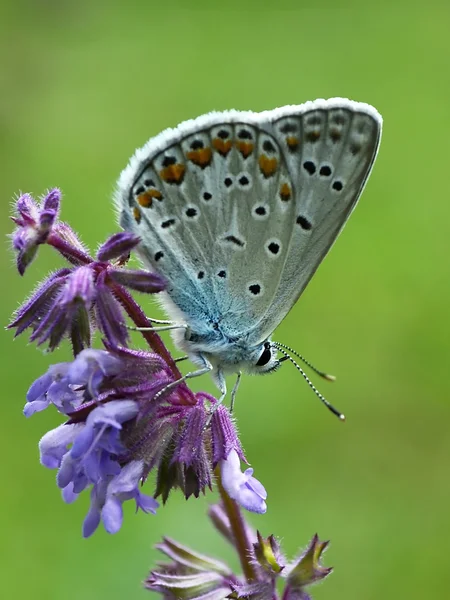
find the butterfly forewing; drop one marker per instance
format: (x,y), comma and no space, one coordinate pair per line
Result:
(203,207)
(237,209)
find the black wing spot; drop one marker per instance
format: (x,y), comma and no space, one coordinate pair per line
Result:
(191,212)
(309,167)
(273,247)
(338,119)
(228,182)
(325,171)
(314,120)
(304,223)
(234,240)
(288,128)
(260,210)
(197,144)
(149,183)
(243,134)
(244,180)
(168,160)
(200,274)
(255,289)
(269,147)
(159,255)
(207,196)
(221,274)
(168,223)
(337,185)
(140,190)
(223,134)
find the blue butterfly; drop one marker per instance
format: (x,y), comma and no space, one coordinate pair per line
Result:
(237,210)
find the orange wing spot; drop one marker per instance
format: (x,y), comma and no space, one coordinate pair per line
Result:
(222,146)
(146,198)
(313,136)
(267,165)
(285,192)
(201,157)
(245,148)
(292,142)
(173,173)
(137,214)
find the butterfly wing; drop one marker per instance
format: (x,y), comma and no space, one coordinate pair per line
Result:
(329,147)
(230,213)
(203,198)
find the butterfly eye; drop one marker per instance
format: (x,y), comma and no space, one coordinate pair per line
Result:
(265,356)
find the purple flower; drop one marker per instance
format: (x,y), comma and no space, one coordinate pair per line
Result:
(34,223)
(90,453)
(118,246)
(242,487)
(122,419)
(107,498)
(69,385)
(74,302)
(118,417)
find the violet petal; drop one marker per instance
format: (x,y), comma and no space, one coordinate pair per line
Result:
(117,246)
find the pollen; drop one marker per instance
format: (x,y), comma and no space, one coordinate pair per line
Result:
(146,198)
(222,146)
(173,173)
(201,157)
(268,166)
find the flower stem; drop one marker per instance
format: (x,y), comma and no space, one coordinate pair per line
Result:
(138,317)
(242,542)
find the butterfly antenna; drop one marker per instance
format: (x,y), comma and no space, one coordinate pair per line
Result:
(311,385)
(326,376)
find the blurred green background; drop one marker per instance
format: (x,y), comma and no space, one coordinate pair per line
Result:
(81,87)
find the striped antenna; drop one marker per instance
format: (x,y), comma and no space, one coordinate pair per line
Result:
(326,376)
(309,382)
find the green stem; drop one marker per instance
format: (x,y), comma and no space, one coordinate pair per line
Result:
(242,543)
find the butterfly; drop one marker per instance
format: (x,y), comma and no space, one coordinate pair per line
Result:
(236,210)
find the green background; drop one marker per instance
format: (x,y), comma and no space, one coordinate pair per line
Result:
(81,87)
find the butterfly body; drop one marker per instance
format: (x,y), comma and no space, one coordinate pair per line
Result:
(237,210)
(227,351)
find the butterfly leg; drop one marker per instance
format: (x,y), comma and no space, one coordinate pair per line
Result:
(206,369)
(157,329)
(180,359)
(234,391)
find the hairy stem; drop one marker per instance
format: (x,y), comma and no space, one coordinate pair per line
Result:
(138,317)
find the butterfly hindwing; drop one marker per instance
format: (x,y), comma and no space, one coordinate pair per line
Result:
(329,148)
